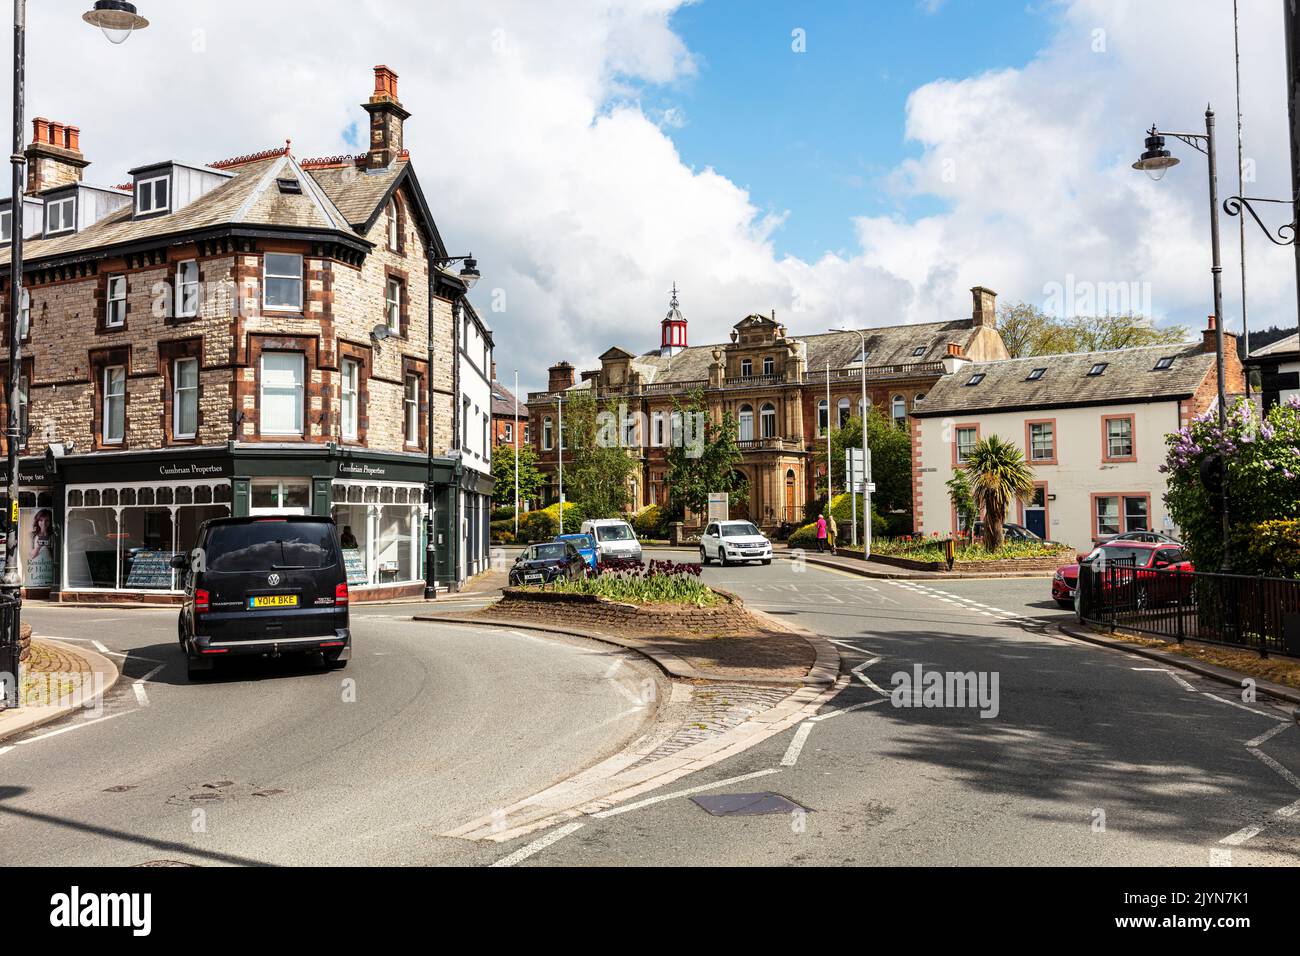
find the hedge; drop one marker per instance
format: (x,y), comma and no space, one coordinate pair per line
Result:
(651,522)
(544,524)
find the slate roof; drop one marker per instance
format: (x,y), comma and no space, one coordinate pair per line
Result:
(1130,376)
(503,402)
(331,200)
(887,345)
(1281,347)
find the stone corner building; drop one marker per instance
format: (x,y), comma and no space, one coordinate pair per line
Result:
(259,335)
(774,384)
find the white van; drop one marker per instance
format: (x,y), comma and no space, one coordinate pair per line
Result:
(614,538)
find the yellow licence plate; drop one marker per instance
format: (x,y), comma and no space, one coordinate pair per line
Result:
(274,600)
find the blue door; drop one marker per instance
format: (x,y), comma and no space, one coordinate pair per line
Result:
(1036,512)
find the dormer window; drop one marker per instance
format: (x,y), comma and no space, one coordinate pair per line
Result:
(918,351)
(976,378)
(1035,375)
(60,215)
(1098,369)
(1164,364)
(289,186)
(152,195)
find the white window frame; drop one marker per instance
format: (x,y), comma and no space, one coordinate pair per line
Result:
(823,418)
(1036,444)
(349,396)
(510,433)
(1125,435)
(411,405)
(898,409)
(182,310)
(148,187)
(180,393)
(393,304)
(394,233)
(746,368)
(6,225)
(268,274)
(109,396)
(765,414)
(975,437)
(548,433)
(25,314)
(24,408)
(117,282)
(69,202)
(299,390)
(657,430)
(745,423)
(769,365)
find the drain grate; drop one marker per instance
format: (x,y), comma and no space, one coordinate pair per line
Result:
(746,804)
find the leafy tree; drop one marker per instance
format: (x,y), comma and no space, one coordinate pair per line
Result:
(891,458)
(596,466)
(998,473)
(692,477)
(963,500)
(1027,330)
(1262,479)
(503,476)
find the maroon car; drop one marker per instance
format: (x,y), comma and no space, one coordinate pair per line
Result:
(1149,586)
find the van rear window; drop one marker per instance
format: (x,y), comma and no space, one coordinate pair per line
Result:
(270,545)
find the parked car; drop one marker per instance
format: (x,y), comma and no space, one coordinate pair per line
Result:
(1146,537)
(547,562)
(1012,532)
(1150,587)
(614,537)
(585,544)
(267,586)
(728,541)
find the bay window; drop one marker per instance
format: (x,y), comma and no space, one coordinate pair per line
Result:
(115,315)
(187,288)
(281,393)
(282,281)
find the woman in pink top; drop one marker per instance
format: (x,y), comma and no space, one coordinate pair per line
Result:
(821,533)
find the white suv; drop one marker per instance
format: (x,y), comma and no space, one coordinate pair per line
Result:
(729,541)
(614,538)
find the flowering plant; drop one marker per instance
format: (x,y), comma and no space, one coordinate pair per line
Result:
(1261,482)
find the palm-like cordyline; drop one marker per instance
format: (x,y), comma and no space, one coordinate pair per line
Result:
(998,473)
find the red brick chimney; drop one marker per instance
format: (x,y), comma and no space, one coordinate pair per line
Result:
(561,377)
(54,158)
(386,120)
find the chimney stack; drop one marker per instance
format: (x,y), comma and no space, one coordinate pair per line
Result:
(954,359)
(561,374)
(984,311)
(386,120)
(1210,339)
(54,158)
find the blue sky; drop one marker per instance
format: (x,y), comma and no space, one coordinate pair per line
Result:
(814,134)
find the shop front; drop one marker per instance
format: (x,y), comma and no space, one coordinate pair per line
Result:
(104,527)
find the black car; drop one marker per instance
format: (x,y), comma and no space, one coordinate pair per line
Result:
(547,562)
(267,586)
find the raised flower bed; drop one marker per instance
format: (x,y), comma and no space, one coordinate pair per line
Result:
(929,553)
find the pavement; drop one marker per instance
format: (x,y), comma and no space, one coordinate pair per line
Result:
(1065,753)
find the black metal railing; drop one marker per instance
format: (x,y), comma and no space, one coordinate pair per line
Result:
(1234,610)
(10,651)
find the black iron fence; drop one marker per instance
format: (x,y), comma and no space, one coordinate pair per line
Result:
(10,650)
(1234,610)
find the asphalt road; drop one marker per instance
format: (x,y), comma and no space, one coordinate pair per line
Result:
(428,727)
(1092,758)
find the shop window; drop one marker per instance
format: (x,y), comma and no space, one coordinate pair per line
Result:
(381,539)
(36,546)
(91,559)
(146,537)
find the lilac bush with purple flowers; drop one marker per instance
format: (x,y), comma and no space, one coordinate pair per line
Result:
(1262,481)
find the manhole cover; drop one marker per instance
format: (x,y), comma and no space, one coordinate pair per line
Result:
(120,788)
(164,863)
(746,804)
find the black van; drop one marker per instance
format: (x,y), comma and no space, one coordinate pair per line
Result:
(267,586)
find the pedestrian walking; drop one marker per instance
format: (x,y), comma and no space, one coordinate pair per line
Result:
(821,533)
(832,533)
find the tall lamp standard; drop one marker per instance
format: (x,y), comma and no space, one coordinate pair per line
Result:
(866,454)
(559,404)
(118,20)
(516,431)
(1155,161)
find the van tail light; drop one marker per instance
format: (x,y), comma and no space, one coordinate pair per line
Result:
(201,601)
(341,595)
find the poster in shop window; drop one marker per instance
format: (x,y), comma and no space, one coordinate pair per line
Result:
(40,550)
(355,565)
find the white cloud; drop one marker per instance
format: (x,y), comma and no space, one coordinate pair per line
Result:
(535,154)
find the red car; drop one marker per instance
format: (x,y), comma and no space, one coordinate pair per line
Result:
(1149,588)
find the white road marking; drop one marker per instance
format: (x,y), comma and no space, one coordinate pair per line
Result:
(1290,810)
(1267,735)
(848,710)
(857,672)
(615,811)
(100,647)
(1252,710)
(538,845)
(64,730)
(141,697)
(1241,836)
(145,679)
(1177,679)
(5,750)
(796,745)
(1280,770)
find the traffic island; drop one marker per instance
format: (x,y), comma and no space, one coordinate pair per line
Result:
(57,678)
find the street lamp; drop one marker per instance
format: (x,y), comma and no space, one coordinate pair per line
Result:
(866,456)
(116,19)
(1155,161)
(469,273)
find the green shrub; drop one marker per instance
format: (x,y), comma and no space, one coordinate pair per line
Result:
(842,510)
(544,524)
(651,522)
(1273,547)
(805,537)
(501,514)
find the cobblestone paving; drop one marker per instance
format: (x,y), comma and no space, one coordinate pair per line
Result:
(51,672)
(714,709)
